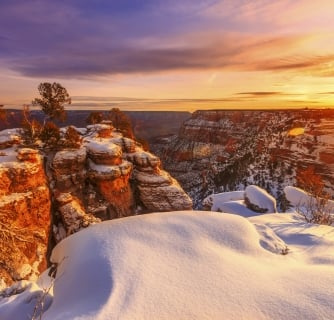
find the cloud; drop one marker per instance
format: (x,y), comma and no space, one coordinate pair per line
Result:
(243,54)
(80,39)
(260,93)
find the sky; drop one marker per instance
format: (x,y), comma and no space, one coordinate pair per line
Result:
(169,54)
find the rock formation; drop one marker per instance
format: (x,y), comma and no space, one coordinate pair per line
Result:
(250,202)
(24,212)
(108,176)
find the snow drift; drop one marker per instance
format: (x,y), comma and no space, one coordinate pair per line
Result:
(190,265)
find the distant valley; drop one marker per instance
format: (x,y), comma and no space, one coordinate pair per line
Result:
(220,150)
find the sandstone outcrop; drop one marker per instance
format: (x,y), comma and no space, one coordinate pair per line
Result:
(24,214)
(108,176)
(111,177)
(73,215)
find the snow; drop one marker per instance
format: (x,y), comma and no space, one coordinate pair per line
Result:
(233,202)
(300,199)
(236,207)
(102,147)
(8,155)
(9,160)
(261,198)
(215,200)
(189,265)
(124,168)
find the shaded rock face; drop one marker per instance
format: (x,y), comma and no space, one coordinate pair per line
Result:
(69,170)
(73,216)
(218,151)
(24,214)
(110,177)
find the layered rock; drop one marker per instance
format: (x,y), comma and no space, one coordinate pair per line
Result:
(108,177)
(158,191)
(69,170)
(24,214)
(73,215)
(219,150)
(110,174)
(112,177)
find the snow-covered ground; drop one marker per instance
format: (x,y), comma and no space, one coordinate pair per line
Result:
(189,265)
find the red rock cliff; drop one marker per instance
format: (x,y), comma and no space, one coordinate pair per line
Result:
(24,214)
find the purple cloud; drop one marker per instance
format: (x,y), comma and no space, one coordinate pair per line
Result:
(86,39)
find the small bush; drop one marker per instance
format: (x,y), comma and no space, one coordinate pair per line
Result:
(50,135)
(72,138)
(317,209)
(31,128)
(94,117)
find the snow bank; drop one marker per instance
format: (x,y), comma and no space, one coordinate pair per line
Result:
(214,201)
(236,207)
(252,201)
(191,265)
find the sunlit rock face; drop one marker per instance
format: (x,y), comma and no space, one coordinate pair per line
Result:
(24,214)
(219,150)
(110,173)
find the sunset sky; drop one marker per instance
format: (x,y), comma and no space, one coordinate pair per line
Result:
(170,54)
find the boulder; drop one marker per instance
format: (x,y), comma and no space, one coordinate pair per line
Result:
(160,192)
(259,200)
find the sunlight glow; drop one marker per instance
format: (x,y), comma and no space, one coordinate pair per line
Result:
(296,132)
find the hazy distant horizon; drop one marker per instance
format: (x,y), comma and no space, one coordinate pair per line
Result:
(181,105)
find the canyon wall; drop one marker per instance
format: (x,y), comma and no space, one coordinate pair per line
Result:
(25,215)
(219,150)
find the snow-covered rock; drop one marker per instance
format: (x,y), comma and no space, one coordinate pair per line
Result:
(104,152)
(28,154)
(73,215)
(144,161)
(259,200)
(304,202)
(296,196)
(248,203)
(9,137)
